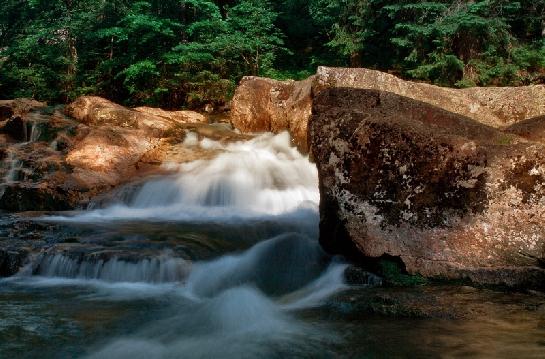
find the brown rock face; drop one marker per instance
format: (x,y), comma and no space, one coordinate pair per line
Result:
(178,116)
(54,162)
(448,195)
(97,111)
(532,129)
(18,107)
(493,106)
(262,104)
(92,110)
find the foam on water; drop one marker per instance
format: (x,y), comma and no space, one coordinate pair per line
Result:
(162,269)
(290,268)
(232,306)
(237,305)
(258,178)
(241,306)
(238,323)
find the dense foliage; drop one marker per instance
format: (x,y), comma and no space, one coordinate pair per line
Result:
(176,53)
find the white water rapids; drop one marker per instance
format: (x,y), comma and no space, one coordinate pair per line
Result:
(259,178)
(220,259)
(237,305)
(15,165)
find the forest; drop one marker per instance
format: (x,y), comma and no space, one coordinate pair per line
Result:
(188,53)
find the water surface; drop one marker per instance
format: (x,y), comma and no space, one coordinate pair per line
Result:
(221,260)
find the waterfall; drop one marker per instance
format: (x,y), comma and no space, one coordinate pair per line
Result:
(12,165)
(35,132)
(261,177)
(162,269)
(235,304)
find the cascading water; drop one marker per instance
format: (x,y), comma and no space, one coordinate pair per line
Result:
(162,269)
(262,177)
(235,304)
(12,165)
(221,260)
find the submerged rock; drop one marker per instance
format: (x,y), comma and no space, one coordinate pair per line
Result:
(357,276)
(11,261)
(437,301)
(450,196)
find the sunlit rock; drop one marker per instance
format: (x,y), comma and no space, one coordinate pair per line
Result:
(51,161)
(262,104)
(265,105)
(493,106)
(96,111)
(178,116)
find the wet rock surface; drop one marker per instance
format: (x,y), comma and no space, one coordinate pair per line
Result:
(60,159)
(449,196)
(435,301)
(29,240)
(11,260)
(265,105)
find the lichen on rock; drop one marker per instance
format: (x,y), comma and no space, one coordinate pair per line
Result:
(440,190)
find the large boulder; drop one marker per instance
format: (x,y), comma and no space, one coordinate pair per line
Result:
(96,111)
(494,106)
(261,104)
(448,195)
(265,105)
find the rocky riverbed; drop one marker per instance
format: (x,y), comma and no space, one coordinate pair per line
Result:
(228,234)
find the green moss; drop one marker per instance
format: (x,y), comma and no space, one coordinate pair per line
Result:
(395,275)
(505,140)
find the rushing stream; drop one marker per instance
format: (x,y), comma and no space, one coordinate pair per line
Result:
(221,260)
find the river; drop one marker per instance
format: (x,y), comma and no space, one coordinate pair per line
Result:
(221,260)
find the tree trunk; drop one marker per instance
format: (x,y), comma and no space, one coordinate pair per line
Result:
(355,59)
(73,51)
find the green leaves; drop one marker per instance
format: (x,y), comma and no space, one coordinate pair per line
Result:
(138,74)
(446,42)
(175,53)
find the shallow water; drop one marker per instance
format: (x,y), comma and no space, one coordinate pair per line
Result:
(222,261)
